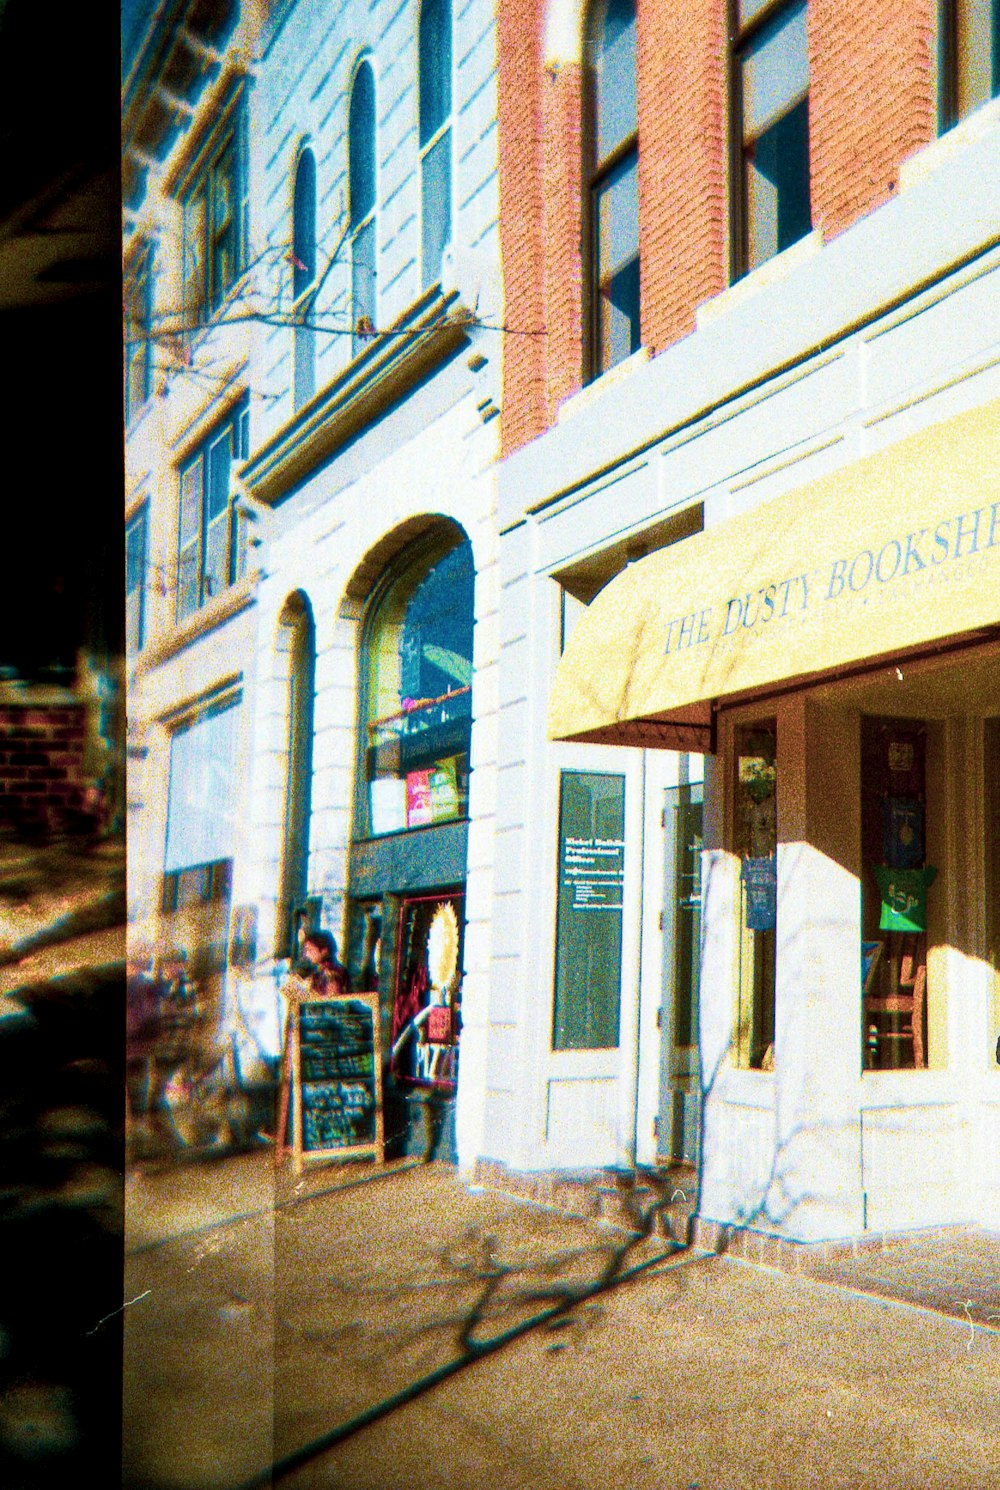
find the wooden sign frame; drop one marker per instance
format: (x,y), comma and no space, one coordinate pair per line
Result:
(299,994)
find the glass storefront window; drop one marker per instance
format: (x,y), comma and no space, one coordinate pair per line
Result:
(895,882)
(418,686)
(589,914)
(756,842)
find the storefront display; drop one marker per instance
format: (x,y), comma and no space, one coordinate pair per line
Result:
(894,890)
(426,1015)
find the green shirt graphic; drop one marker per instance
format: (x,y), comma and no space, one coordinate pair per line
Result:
(904,897)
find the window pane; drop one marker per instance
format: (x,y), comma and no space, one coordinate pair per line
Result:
(363,282)
(976,43)
(188,581)
(751,8)
(436,206)
(304,371)
(589,915)
(223,223)
(190,513)
(618,217)
(218,475)
(304,224)
(617,251)
(755,825)
(435,67)
(135,582)
(217,555)
(615,77)
(362,145)
(418,651)
(775,71)
(777,186)
(195,229)
(201,825)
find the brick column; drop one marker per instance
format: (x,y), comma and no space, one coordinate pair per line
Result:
(682,164)
(871,101)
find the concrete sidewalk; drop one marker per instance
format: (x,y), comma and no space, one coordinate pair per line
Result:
(267,1311)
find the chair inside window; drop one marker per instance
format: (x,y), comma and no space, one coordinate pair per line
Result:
(894,995)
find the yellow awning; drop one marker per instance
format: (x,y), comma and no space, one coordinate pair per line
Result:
(891,554)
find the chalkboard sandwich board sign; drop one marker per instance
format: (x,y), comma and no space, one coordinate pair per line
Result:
(335,1066)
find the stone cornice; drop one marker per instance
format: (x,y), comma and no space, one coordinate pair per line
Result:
(396,360)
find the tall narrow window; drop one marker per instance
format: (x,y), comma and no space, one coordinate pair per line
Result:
(771,118)
(435,135)
(138,331)
(304,276)
(211,546)
(215,201)
(135,582)
(969,57)
(361,151)
(613,183)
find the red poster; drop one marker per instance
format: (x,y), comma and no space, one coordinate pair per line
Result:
(418,799)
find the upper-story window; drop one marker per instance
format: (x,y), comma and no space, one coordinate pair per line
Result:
(304,275)
(138,330)
(135,582)
(435,135)
(613,182)
(361,172)
(771,124)
(215,220)
(211,539)
(969,57)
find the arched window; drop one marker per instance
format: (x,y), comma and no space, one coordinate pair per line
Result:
(304,275)
(296,670)
(613,183)
(435,135)
(361,173)
(417,689)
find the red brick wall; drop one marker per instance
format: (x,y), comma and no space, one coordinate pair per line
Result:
(563,100)
(871,101)
(41,766)
(522,219)
(871,105)
(682,163)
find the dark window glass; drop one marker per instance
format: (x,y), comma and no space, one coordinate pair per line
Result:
(210,536)
(138,331)
(362,187)
(304,224)
(968,57)
(614,183)
(135,582)
(435,67)
(773,89)
(435,136)
(303,278)
(215,225)
(362,144)
(418,684)
(589,911)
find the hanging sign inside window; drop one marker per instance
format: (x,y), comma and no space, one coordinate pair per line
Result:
(760,880)
(593,871)
(904,897)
